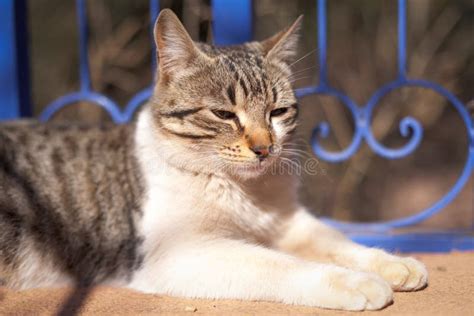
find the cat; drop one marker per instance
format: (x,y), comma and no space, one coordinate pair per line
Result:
(182,201)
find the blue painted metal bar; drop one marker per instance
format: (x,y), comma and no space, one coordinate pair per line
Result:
(402,39)
(154,10)
(416,242)
(89,96)
(322,33)
(137,100)
(14,63)
(232,21)
(83,48)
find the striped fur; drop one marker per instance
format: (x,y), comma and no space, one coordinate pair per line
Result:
(71,194)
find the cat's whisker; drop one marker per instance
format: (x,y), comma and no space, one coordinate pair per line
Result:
(295,150)
(293,80)
(301,71)
(303,57)
(298,60)
(296,155)
(292,163)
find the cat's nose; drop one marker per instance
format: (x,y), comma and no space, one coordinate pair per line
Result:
(262,151)
(260,142)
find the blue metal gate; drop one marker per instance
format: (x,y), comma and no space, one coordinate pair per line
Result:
(227,15)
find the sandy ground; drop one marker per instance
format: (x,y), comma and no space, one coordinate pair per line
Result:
(450,292)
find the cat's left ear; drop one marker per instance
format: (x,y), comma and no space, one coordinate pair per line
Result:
(176,49)
(283,46)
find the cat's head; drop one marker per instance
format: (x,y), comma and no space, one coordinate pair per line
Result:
(226,109)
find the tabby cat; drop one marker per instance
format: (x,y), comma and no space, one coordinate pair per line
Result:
(182,202)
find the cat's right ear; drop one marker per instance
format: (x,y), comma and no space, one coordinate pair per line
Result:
(283,45)
(175,47)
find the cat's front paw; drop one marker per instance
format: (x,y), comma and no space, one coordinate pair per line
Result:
(338,288)
(403,274)
(361,291)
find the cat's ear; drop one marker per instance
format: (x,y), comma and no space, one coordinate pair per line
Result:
(175,47)
(283,45)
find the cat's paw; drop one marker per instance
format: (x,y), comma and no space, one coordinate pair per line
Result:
(403,274)
(339,288)
(360,291)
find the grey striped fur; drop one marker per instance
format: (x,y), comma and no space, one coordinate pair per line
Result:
(72,194)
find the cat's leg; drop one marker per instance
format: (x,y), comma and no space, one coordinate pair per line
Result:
(309,237)
(233,269)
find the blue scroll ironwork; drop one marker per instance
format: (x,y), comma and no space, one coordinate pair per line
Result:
(362,116)
(86,92)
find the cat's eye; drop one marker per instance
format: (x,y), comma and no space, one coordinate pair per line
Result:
(278,112)
(224,115)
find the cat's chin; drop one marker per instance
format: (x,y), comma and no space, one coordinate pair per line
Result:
(251,170)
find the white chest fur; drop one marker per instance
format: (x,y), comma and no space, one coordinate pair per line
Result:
(181,204)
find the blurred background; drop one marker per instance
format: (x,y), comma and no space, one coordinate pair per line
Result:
(362,56)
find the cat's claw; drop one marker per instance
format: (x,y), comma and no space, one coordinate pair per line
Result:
(404,274)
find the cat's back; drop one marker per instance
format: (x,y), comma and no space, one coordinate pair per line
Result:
(71,193)
(31,151)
